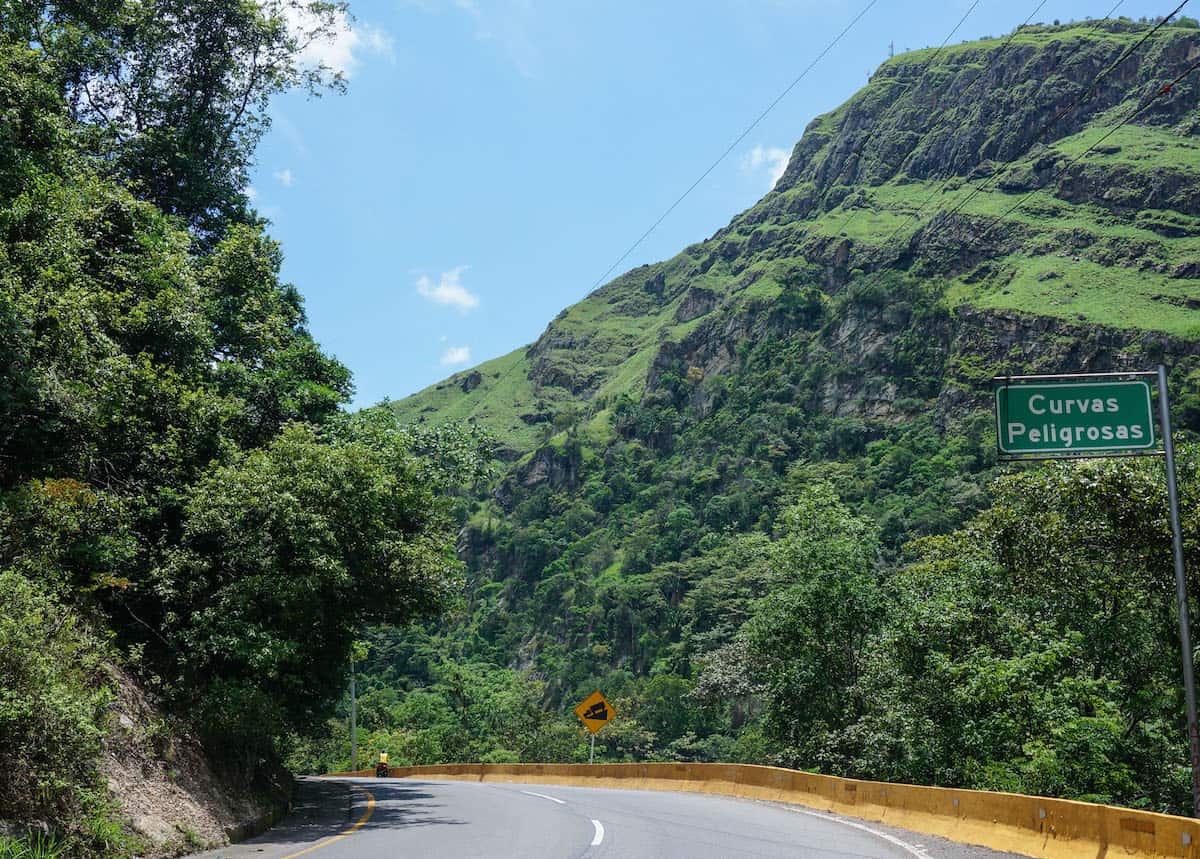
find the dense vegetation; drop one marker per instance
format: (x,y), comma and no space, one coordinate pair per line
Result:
(751,492)
(180,495)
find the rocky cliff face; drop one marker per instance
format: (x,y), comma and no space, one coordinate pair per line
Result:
(174,796)
(985,103)
(978,114)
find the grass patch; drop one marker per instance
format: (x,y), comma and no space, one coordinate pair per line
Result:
(1033,36)
(1085,292)
(504,393)
(1142,147)
(34,846)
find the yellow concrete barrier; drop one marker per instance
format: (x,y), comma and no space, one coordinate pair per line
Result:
(1035,826)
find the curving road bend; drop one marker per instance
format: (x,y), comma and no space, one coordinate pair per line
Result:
(341,819)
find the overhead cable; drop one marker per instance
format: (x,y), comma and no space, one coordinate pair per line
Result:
(829,47)
(1129,52)
(1138,111)
(858,150)
(942,187)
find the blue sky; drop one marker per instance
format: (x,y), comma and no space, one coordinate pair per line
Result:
(492,158)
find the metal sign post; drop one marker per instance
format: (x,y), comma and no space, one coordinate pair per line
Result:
(1103,415)
(1185,637)
(353,720)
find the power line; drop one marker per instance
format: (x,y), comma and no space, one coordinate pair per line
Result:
(1137,112)
(942,187)
(995,177)
(871,134)
(996,56)
(735,143)
(1164,90)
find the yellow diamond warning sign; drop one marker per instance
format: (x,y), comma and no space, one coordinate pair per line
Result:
(595,712)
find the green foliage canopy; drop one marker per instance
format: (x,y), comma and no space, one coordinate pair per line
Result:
(174,464)
(172,95)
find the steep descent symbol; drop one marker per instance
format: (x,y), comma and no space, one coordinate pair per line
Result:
(595,712)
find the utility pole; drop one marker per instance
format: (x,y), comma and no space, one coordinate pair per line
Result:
(353,720)
(1185,638)
(891,49)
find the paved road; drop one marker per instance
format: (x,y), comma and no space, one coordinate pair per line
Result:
(336,819)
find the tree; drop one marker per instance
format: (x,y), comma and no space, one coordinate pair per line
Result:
(806,639)
(175,473)
(284,553)
(34,127)
(1036,649)
(53,703)
(262,353)
(173,94)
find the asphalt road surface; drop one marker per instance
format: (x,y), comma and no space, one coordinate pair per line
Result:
(342,819)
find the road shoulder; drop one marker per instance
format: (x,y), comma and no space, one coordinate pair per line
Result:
(322,808)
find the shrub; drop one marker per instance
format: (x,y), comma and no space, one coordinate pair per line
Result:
(53,703)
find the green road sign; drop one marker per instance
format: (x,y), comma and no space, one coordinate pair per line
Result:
(1074,416)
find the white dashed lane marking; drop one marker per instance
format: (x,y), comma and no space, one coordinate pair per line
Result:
(543,796)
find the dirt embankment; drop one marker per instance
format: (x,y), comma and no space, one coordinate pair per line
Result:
(169,789)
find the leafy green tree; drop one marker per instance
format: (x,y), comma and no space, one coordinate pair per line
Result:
(807,637)
(173,94)
(663,707)
(262,353)
(68,537)
(1037,648)
(174,465)
(34,128)
(283,554)
(53,704)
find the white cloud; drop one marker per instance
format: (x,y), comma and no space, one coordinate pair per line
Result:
(378,41)
(280,120)
(448,290)
(508,25)
(341,49)
(251,193)
(285,177)
(772,158)
(456,355)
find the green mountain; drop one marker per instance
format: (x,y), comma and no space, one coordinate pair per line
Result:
(715,466)
(908,186)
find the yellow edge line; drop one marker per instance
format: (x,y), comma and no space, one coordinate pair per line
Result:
(340,835)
